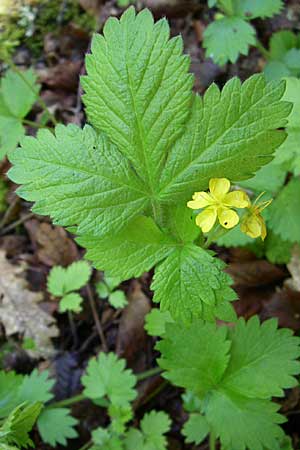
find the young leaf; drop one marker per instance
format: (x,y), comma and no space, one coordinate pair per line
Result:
(196,357)
(138,89)
(56,425)
(154,425)
(284,218)
(155,322)
(36,387)
(251,9)
(71,302)
(62,281)
(226,38)
(19,423)
(16,100)
(131,252)
(9,385)
(195,429)
(104,440)
(283,45)
(107,376)
(73,178)
(262,359)
(189,283)
(229,134)
(277,250)
(117,299)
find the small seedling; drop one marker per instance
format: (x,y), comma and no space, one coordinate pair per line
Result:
(62,282)
(106,289)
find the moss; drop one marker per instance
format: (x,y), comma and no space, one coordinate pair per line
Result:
(33,19)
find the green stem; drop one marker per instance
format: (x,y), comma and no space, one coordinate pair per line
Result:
(34,124)
(39,100)
(212,441)
(149,373)
(262,49)
(87,445)
(68,401)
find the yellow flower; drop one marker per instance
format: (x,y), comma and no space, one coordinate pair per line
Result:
(253,223)
(218,203)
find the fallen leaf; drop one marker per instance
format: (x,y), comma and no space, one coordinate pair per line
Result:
(285,305)
(19,310)
(255,273)
(54,246)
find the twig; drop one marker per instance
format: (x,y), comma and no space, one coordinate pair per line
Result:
(96,318)
(8,212)
(87,445)
(13,225)
(73,328)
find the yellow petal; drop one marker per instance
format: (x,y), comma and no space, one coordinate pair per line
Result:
(252,226)
(219,187)
(200,200)
(237,199)
(227,217)
(206,219)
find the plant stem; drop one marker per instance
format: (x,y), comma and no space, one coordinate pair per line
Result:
(68,401)
(39,100)
(262,49)
(16,223)
(96,318)
(34,124)
(148,373)
(87,445)
(212,441)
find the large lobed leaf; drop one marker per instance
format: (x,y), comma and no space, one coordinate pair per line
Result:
(153,149)
(138,90)
(237,371)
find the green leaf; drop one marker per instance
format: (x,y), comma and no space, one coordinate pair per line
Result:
(277,250)
(281,42)
(226,38)
(134,439)
(134,250)
(107,376)
(195,429)
(36,387)
(9,385)
(251,9)
(269,178)
(16,100)
(156,320)
(262,359)
(56,425)
(154,425)
(19,91)
(284,212)
(190,283)
(102,290)
(119,415)
(234,238)
(195,357)
(71,302)
(230,134)
(118,299)
(236,370)
(71,174)
(138,89)
(19,423)
(64,280)
(284,47)
(248,423)
(104,440)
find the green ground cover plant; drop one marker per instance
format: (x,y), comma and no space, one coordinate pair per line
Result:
(156,176)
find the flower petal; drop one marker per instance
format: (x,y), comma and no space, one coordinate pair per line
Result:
(200,200)
(237,199)
(219,187)
(252,226)
(227,217)
(206,219)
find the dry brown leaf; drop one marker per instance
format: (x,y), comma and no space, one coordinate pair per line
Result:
(19,310)
(54,245)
